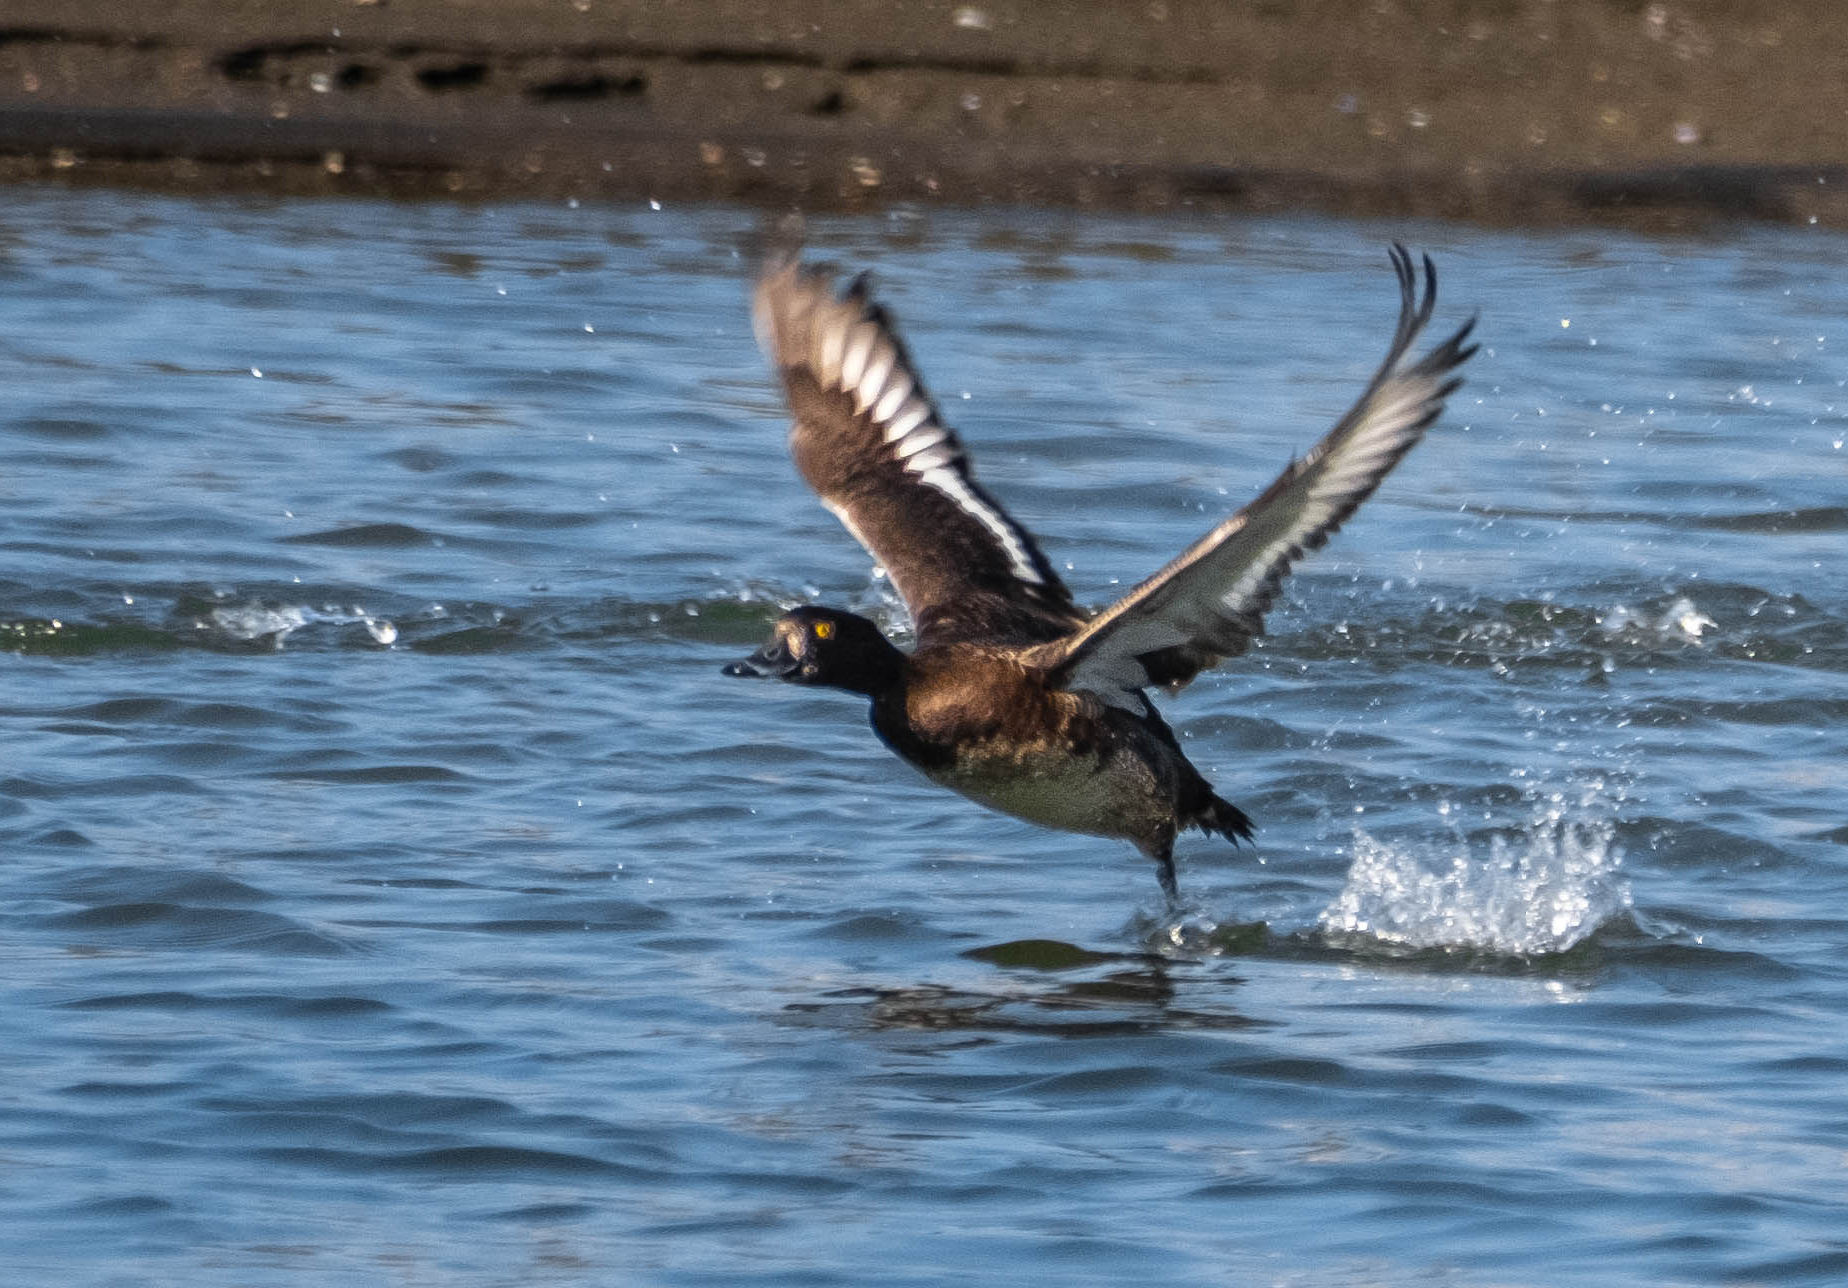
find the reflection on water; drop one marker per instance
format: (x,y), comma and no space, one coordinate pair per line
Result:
(387,879)
(1108,1004)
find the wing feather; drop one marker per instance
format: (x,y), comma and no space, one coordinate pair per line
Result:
(868,438)
(1209,603)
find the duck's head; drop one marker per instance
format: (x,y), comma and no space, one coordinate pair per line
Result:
(811,645)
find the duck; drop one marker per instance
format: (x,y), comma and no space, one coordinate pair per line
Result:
(1013,695)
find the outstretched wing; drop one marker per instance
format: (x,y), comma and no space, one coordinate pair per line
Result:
(1209,603)
(868,439)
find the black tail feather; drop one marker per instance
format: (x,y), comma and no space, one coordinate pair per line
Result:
(1224,818)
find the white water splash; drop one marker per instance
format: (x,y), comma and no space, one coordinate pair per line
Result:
(275,623)
(254,621)
(1682,620)
(1542,891)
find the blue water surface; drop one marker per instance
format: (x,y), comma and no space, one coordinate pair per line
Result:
(392,890)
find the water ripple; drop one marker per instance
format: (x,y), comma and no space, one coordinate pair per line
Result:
(389,878)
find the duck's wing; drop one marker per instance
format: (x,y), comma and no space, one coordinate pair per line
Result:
(869,440)
(1209,603)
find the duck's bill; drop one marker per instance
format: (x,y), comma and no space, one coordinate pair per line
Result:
(772,661)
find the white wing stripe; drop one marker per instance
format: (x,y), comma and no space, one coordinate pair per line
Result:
(938,457)
(893,400)
(1214,596)
(828,356)
(853,529)
(873,381)
(950,483)
(853,361)
(915,443)
(915,415)
(843,341)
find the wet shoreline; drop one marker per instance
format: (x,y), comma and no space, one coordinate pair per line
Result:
(1660,115)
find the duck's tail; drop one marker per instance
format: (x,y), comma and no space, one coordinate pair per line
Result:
(1223,817)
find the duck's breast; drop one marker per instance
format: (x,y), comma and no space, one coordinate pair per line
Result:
(985,729)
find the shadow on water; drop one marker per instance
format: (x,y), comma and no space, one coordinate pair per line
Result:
(1052,989)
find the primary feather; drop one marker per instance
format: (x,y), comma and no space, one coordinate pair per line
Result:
(869,440)
(1209,603)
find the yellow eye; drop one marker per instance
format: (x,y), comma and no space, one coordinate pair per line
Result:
(824,630)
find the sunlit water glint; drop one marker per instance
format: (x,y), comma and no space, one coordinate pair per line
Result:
(391,885)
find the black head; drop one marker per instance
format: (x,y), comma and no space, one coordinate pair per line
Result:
(811,645)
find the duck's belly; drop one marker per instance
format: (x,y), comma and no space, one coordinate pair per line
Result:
(1099,796)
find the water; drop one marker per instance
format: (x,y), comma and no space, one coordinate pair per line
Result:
(392,891)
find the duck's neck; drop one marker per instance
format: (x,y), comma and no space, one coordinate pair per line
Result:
(878,671)
(891,714)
